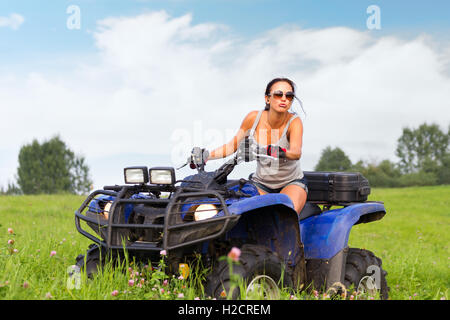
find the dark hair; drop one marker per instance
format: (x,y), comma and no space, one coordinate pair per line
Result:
(291,83)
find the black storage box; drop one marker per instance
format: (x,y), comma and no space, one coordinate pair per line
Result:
(336,187)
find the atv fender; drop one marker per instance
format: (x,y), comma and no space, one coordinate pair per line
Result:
(257,202)
(269,220)
(326,234)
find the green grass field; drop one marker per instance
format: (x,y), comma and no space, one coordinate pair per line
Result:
(412,240)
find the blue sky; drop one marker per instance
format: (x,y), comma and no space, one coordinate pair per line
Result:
(53,79)
(44,33)
(43,38)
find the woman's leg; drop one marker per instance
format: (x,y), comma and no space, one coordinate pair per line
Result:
(297,194)
(261,191)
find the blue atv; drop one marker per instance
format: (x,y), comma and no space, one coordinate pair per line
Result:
(209,214)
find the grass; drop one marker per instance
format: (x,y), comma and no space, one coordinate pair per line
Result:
(412,240)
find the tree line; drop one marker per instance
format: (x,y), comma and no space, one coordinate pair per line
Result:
(424,159)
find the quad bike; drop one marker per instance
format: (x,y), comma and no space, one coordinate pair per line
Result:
(208,214)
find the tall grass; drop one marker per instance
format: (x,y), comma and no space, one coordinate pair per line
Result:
(412,240)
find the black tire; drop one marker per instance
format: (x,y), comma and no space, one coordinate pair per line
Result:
(256,262)
(94,260)
(361,272)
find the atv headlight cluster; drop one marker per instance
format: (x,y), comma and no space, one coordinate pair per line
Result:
(157,175)
(205,211)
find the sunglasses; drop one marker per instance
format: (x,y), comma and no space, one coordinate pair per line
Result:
(279,94)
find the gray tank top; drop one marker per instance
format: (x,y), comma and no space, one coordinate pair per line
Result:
(276,173)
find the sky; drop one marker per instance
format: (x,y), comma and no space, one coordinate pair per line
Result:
(141,82)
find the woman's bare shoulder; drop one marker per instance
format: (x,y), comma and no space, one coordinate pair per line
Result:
(249,119)
(296,120)
(296,124)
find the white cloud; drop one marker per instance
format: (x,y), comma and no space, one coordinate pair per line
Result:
(14,21)
(159,75)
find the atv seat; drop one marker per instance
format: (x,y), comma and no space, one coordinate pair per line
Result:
(309,210)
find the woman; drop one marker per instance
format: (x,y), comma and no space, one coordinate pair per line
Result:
(279,132)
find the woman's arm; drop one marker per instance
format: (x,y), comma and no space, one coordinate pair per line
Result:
(295,140)
(231,147)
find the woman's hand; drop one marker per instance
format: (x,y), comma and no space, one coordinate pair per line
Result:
(276,151)
(199,157)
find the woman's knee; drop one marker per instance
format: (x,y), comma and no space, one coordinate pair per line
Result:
(298,196)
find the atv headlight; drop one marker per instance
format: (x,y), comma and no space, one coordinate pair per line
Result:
(205,211)
(162,175)
(136,175)
(107,209)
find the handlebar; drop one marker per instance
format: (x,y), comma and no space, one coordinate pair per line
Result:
(246,152)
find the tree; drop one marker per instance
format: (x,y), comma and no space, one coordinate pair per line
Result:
(384,174)
(333,160)
(51,167)
(12,189)
(422,148)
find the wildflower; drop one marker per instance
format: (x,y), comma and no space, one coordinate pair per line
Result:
(15,250)
(142,281)
(316,293)
(180,295)
(10,231)
(114,293)
(131,283)
(163,252)
(352,297)
(180,278)
(162,290)
(442,298)
(223,294)
(196,298)
(165,282)
(234,254)
(48,295)
(52,253)
(10,241)
(26,285)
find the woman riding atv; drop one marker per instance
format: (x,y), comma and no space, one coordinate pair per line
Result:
(278,133)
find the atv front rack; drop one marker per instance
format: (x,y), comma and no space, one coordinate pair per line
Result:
(177,229)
